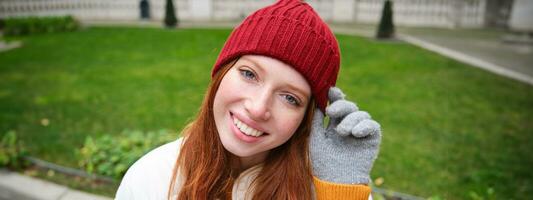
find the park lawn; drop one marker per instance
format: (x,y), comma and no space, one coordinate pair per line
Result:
(449,130)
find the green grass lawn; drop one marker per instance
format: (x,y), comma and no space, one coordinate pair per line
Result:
(449,130)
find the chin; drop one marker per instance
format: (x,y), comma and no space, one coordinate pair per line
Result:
(234,148)
(240,153)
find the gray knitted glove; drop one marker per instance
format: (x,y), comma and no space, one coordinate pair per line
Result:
(344,151)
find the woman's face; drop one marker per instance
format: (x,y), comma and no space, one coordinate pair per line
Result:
(259,104)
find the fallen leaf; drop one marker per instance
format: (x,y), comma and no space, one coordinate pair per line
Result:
(379,181)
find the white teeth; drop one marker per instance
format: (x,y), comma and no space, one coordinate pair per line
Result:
(246,129)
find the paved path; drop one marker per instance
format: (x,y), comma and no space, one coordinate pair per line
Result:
(487,49)
(20,187)
(5,46)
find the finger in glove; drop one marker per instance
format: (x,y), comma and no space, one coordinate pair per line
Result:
(349,122)
(365,128)
(340,108)
(335,94)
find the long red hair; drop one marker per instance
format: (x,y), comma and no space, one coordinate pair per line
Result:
(209,170)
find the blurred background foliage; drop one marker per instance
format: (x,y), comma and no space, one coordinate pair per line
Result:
(35,25)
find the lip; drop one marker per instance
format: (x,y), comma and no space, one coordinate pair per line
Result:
(239,134)
(248,122)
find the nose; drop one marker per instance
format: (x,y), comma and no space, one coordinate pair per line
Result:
(258,106)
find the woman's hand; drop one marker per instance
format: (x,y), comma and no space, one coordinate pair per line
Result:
(344,151)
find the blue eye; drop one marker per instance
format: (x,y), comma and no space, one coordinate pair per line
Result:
(247,74)
(292,100)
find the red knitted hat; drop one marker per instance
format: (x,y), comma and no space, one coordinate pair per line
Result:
(290,31)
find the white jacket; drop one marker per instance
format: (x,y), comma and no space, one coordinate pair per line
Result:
(149,177)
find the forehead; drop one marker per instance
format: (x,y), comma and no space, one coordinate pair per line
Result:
(272,69)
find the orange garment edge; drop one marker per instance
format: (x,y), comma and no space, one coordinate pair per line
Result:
(327,190)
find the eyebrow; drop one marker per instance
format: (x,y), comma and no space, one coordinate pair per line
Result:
(292,87)
(254,63)
(305,97)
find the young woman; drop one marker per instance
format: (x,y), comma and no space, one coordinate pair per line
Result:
(259,133)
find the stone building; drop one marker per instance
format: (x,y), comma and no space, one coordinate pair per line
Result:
(429,13)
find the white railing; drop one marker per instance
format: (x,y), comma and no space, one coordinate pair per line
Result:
(236,9)
(435,13)
(88,9)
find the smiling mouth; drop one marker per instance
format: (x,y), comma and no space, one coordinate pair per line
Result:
(247,130)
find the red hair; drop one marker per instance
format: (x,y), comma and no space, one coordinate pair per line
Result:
(209,170)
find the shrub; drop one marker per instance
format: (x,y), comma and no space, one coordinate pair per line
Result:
(36,25)
(386,26)
(170,15)
(488,195)
(2,24)
(11,152)
(112,155)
